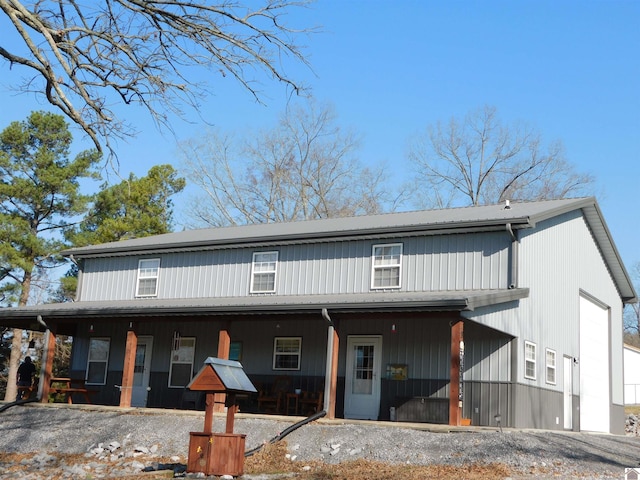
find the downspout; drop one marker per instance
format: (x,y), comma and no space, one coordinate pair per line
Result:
(328,366)
(513,257)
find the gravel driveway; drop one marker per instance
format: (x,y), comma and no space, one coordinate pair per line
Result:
(62,429)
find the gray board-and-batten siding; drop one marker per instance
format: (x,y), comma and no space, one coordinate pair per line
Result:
(430,264)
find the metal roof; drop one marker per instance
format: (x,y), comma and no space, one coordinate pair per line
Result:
(519,215)
(268,304)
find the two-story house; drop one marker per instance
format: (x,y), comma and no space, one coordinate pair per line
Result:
(501,313)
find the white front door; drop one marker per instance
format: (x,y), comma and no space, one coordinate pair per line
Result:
(141,372)
(362,377)
(567,375)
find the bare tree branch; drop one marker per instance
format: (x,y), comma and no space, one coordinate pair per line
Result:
(479,160)
(87,58)
(302,169)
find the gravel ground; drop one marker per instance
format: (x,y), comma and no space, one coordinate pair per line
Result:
(31,436)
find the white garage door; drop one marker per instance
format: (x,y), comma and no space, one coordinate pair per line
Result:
(594,367)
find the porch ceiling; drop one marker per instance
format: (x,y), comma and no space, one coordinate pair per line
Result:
(78,312)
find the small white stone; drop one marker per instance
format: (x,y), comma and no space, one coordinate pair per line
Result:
(336,445)
(175,458)
(137,465)
(293,458)
(287,456)
(295,447)
(325,449)
(306,468)
(355,451)
(335,451)
(226,477)
(153,448)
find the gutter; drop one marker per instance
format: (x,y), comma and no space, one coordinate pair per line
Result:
(513,257)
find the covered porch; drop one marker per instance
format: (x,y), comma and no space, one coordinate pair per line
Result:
(332,334)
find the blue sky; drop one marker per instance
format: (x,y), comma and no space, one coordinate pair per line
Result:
(571,69)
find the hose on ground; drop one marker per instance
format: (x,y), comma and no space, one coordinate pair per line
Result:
(286,432)
(18,402)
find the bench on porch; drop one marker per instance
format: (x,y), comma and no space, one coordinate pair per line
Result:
(70,386)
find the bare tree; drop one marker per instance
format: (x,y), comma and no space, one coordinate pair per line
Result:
(86,57)
(304,168)
(479,160)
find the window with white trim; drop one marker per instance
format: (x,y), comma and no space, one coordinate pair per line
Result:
(148,270)
(530,360)
(97,361)
(386,262)
(550,356)
(263,274)
(286,353)
(181,368)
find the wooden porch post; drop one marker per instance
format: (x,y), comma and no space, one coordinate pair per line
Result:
(47,365)
(455,390)
(333,385)
(224,345)
(128,369)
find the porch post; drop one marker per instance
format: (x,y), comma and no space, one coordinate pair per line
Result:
(46,369)
(224,345)
(128,369)
(455,386)
(333,385)
(331,368)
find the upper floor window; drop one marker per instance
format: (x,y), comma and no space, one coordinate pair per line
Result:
(530,360)
(98,360)
(264,272)
(148,270)
(386,265)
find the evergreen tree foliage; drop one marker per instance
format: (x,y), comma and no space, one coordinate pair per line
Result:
(39,197)
(136,207)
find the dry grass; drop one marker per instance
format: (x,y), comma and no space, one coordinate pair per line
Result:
(272,460)
(632,410)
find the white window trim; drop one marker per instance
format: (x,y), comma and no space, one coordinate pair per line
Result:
(375,267)
(274,271)
(106,361)
(298,354)
(156,277)
(548,366)
(528,360)
(172,363)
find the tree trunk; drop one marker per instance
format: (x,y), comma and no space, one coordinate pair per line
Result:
(16,344)
(14,363)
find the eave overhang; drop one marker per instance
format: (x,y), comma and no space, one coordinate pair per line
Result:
(80,312)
